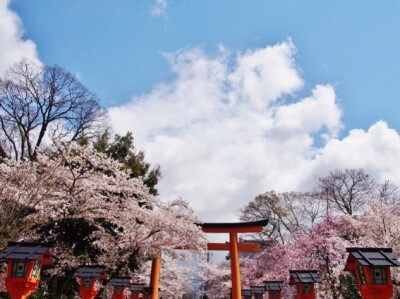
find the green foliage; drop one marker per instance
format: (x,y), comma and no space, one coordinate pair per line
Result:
(74,234)
(123,150)
(63,286)
(349,287)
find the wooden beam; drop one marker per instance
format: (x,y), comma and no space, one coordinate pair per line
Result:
(234,227)
(226,246)
(249,229)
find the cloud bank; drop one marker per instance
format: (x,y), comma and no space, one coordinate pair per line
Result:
(12,47)
(230,127)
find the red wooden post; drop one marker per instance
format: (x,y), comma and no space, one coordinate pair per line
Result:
(155,276)
(24,261)
(234,254)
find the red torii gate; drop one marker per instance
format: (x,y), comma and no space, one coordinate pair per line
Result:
(233,246)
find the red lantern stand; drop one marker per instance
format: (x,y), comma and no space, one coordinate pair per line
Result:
(305,282)
(274,289)
(233,246)
(120,286)
(246,294)
(258,292)
(137,290)
(372,269)
(24,263)
(89,279)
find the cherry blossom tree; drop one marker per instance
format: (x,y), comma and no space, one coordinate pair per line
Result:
(216,279)
(93,211)
(366,214)
(22,189)
(175,276)
(322,248)
(379,226)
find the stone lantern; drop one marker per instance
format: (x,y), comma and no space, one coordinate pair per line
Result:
(89,279)
(24,263)
(274,289)
(120,286)
(371,266)
(305,283)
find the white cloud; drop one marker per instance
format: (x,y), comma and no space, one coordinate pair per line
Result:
(159,8)
(376,150)
(12,47)
(264,75)
(223,130)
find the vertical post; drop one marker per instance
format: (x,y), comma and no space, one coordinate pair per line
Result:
(155,276)
(235,272)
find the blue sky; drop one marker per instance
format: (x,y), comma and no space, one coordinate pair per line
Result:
(116,46)
(177,73)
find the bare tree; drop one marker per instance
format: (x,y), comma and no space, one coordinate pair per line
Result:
(389,192)
(36,101)
(347,191)
(267,205)
(313,208)
(284,211)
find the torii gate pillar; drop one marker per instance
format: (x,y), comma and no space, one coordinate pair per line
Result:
(155,276)
(234,246)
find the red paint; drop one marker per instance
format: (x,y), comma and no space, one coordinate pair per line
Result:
(369,289)
(276,295)
(135,294)
(120,295)
(91,291)
(301,294)
(22,287)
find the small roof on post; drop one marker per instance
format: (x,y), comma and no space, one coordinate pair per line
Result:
(137,286)
(120,282)
(92,271)
(27,251)
(304,276)
(246,292)
(257,289)
(370,257)
(274,285)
